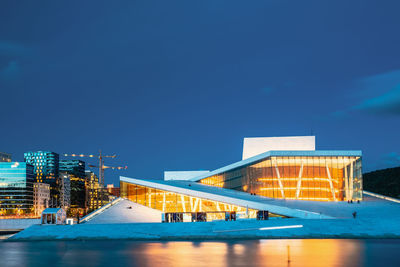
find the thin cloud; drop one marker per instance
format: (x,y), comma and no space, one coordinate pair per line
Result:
(267,90)
(10,71)
(388,103)
(381,95)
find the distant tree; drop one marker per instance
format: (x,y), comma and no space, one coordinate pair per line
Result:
(385,182)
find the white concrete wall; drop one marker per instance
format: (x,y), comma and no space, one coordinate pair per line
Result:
(182,175)
(253,146)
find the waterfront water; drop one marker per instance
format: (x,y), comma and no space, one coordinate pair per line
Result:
(308,252)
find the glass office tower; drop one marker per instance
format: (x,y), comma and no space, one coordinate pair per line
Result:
(16,188)
(76,171)
(45,164)
(320,178)
(46,170)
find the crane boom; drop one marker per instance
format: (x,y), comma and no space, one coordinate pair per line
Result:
(101,166)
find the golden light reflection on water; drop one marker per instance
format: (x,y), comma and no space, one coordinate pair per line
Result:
(311,252)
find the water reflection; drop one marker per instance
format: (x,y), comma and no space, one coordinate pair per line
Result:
(318,252)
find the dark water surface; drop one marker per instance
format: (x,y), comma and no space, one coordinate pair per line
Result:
(307,252)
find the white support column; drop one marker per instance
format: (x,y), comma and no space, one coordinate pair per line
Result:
(346,183)
(149,200)
(279,180)
(299,181)
(183,203)
(351,180)
(163,203)
(217,204)
(195,204)
(330,182)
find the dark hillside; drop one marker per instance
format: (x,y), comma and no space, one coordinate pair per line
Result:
(385,182)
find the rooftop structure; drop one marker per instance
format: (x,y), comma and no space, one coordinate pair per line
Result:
(253,146)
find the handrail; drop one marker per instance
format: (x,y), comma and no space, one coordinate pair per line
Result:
(382,196)
(100,210)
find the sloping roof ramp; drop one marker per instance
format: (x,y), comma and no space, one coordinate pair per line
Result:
(249,161)
(182,175)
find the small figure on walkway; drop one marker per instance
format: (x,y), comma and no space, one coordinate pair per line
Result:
(351,201)
(358,201)
(354,214)
(77,217)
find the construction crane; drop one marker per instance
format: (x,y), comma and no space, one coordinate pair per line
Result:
(101,166)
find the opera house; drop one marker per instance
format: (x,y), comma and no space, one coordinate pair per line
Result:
(276,174)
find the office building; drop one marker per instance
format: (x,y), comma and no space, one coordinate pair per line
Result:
(76,171)
(46,170)
(16,188)
(41,197)
(65,190)
(112,190)
(97,196)
(5,157)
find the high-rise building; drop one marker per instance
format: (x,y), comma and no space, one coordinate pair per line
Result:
(46,170)
(75,167)
(16,188)
(97,196)
(76,171)
(5,157)
(65,190)
(41,197)
(112,190)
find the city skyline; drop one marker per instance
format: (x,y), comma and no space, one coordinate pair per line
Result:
(134,80)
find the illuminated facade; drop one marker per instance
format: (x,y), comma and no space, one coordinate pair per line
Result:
(45,164)
(310,175)
(41,197)
(4,157)
(258,183)
(16,188)
(170,201)
(96,195)
(46,169)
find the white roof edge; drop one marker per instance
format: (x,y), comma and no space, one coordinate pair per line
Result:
(227,199)
(303,153)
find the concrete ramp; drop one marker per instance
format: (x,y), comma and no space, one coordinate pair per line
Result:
(126,211)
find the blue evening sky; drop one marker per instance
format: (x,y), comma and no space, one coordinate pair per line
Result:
(177,85)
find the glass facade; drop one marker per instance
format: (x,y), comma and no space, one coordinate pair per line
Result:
(319,178)
(76,170)
(167,201)
(16,188)
(46,169)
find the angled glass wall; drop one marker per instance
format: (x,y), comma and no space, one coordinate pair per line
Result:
(167,201)
(318,178)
